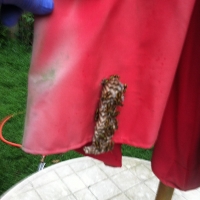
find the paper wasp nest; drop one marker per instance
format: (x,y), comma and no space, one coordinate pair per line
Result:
(106,123)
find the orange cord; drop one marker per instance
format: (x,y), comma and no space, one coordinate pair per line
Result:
(1,134)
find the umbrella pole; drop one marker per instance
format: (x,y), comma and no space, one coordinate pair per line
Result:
(164,192)
(42,164)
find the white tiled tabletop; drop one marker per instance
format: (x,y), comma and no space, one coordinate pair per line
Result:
(88,179)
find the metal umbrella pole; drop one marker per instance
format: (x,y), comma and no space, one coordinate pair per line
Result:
(42,164)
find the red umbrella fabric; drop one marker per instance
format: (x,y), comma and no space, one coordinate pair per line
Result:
(83,42)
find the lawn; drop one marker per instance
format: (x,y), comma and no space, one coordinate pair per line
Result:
(15,164)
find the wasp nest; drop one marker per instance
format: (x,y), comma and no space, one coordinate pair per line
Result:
(105,116)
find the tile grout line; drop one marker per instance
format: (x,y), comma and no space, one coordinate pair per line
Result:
(61,179)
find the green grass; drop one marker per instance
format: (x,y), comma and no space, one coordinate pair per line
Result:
(15,164)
